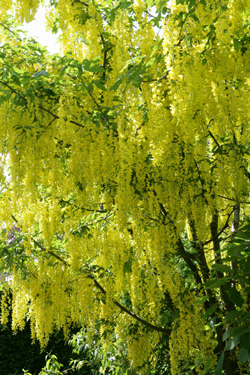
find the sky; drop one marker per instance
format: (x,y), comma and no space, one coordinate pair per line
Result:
(37,30)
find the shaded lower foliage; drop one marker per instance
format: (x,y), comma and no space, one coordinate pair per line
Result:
(17,352)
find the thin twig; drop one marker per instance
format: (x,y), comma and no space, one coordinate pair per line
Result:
(13,90)
(154,80)
(57,117)
(234,200)
(80,208)
(183,22)
(5,27)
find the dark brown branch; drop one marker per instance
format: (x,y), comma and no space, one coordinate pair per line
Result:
(79,208)
(229,199)
(100,109)
(50,252)
(210,133)
(199,248)
(50,123)
(221,231)
(104,57)
(216,245)
(40,107)
(13,90)
(57,117)
(188,259)
(154,80)
(92,97)
(199,176)
(234,200)
(103,218)
(5,27)
(181,250)
(163,210)
(133,315)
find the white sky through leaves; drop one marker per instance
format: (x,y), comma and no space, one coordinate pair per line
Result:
(37,30)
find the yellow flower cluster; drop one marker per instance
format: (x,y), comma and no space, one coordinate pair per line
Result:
(105,183)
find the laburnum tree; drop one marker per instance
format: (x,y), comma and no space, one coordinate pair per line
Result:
(125,179)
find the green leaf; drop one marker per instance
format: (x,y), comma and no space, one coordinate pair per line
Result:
(244,317)
(127,268)
(220,364)
(16,79)
(211,310)
(232,315)
(212,284)
(136,84)
(228,333)
(41,73)
(49,92)
(115,86)
(191,4)
(245,341)
(82,37)
(243,233)
(183,16)
(235,332)
(26,82)
(235,297)
(62,70)
(93,68)
(79,75)
(224,7)
(201,300)
(237,45)
(100,85)
(195,18)
(240,331)
(221,267)
(90,87)
(207,366)
(230,345)
(243,355)
(235,250)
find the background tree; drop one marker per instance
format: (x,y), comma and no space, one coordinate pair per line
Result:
(128,162)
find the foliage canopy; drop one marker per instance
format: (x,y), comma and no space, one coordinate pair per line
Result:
(127,159)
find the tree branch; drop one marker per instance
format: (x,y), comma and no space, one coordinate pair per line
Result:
(40,107)
(5,27)
(123,308)
(13,90)
(80,208)
(214,138)
(216,244)
(221,231)
(133,315)
(234,200)
(57,117)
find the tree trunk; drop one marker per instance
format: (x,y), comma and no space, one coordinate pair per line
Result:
(230,366)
